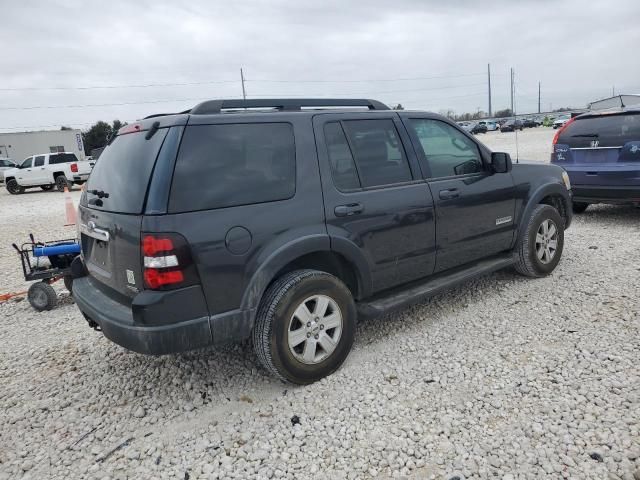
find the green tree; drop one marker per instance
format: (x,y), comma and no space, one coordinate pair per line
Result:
(504,113)
(99,134)
(398,107)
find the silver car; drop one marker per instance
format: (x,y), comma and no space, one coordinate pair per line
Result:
(5,164)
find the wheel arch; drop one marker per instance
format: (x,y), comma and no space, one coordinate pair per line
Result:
(310,253)
(553,194)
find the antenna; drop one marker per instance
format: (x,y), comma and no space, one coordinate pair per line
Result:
(513,111)
(244,92)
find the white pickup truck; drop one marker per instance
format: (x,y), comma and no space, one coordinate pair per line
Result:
(48,170)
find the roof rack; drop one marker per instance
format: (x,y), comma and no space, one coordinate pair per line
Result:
(284,104)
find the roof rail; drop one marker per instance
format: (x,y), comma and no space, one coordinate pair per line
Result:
(285,104)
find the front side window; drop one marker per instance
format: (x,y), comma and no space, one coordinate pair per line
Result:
(38,161)
(27,163)
(447,151)
(233,164)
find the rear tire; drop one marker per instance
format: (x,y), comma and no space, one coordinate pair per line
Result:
(42,296)
(13,188)
(290,335)
(61,183)
(539,249)
(46,188)
(579,207)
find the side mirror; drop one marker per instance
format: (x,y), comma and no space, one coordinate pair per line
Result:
(501,162)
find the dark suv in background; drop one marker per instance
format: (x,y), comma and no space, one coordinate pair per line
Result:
(601,152)
(283,221)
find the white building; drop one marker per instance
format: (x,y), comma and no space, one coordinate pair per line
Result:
(615,102)
(19,145)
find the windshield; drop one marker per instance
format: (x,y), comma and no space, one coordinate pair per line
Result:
(123,172)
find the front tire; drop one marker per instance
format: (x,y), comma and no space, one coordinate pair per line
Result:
(13,188)
(305,326)
(539,250)
(579,207)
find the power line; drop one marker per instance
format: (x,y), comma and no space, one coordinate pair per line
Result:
(117,104)
(213,82)
(368,80)
(97,87)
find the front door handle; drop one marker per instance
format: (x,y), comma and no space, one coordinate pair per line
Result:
(449,194)
(347,210)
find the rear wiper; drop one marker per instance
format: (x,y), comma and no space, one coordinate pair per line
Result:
(99,193)
(591,135)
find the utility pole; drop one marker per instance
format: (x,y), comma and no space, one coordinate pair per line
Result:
(512,112)
(489,85)
(613,91)
(538,97)
(244,92)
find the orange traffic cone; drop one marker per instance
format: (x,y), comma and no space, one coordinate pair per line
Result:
(70,210)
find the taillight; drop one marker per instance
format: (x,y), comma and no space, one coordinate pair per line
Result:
(167,262)
(74,167)
(560,130)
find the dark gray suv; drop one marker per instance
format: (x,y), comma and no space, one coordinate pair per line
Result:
(285,220)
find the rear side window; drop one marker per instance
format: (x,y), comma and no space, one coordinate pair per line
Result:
(372,156)
(601,131)
(124,170)
(62,158)
(343,168)
(233,164)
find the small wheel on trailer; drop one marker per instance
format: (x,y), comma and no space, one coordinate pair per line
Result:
(68,282)
(46,188)
(42,296)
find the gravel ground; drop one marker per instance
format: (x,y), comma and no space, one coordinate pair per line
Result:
(503,377)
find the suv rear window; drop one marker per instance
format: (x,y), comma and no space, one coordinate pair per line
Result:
(608,130)
(62,158)
(124,169)
(233,164)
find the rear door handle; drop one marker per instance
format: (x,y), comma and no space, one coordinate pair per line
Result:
(448,194)
(347,210)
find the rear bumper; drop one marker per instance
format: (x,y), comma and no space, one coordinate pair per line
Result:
(606,194)
(157,323)
(81,178)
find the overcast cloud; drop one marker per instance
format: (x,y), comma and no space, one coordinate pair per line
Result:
(579,50)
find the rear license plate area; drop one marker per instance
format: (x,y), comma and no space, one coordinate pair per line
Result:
(99,255)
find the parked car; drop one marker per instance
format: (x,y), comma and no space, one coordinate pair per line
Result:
(601,152)
(5,164)
(466,126)
(479,127)
(511,126)
(47,170)
(491,126)
(561,121)
(285,225)
(528,123)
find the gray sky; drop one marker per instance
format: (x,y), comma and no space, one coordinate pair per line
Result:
(424,54)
